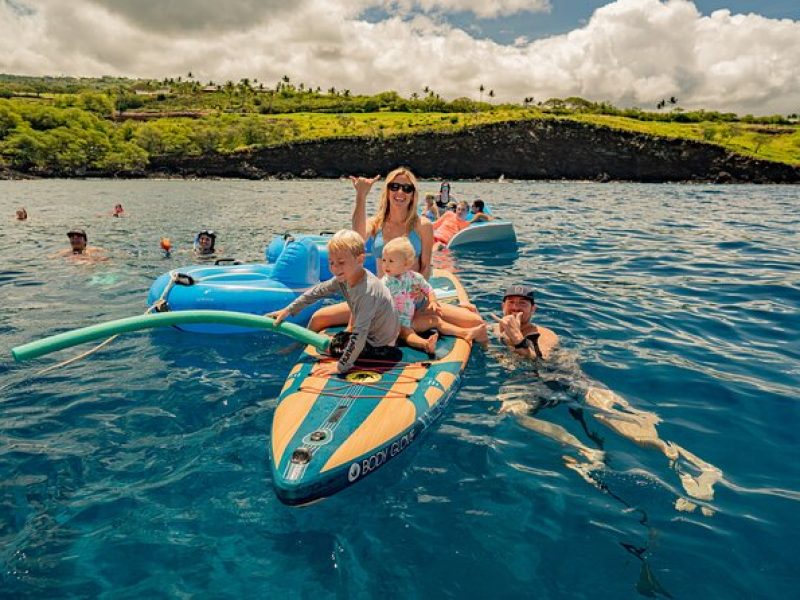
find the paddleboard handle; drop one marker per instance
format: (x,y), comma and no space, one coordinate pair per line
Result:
(166,319)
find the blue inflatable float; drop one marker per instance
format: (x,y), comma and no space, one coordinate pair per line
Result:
(276,247)
(247,288)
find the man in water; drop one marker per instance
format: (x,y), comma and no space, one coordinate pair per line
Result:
(477,208)
(80,249)
(516,330)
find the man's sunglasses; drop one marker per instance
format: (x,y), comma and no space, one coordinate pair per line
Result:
(406,187)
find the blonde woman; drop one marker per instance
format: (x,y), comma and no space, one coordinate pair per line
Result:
(396,217)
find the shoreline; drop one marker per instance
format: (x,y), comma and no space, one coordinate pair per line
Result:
(538,150)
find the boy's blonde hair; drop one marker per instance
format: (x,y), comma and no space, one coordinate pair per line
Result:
(401,245)
(346,240)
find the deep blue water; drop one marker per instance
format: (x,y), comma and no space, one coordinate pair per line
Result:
(142,470)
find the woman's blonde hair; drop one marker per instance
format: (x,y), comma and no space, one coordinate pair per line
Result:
(346,240)
(401,245)
(412,219)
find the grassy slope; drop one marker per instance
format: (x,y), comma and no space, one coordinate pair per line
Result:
(769,142)
(781,143)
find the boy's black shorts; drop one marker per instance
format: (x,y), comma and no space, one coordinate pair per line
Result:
(387,353)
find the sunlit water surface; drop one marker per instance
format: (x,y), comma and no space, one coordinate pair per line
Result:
(143,471)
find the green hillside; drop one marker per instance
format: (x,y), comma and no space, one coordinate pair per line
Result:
(69,124)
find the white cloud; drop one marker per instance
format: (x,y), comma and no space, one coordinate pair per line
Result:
(483,9)
(631,52)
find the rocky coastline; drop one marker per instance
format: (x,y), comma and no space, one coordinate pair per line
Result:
(536,150)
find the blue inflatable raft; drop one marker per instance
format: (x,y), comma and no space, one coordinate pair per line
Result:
(276,246)
(247,288)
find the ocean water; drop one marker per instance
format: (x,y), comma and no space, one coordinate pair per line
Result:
(142,470)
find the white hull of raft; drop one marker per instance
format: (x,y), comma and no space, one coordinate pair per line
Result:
(496,231)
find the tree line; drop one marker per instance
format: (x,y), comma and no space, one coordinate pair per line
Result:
(285,96)
(70,134)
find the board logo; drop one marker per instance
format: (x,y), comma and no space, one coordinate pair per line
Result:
(363,377)
(354,472)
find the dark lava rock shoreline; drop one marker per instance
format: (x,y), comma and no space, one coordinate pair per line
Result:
(539,149)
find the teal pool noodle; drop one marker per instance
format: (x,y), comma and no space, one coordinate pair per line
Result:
(167,319)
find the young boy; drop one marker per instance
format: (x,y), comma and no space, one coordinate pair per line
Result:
(374,322)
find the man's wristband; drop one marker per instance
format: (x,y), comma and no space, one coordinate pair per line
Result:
(525,343)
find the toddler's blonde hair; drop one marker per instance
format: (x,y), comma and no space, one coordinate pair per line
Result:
(346,240)
(401,245)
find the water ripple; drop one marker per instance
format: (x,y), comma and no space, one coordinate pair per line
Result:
(143,469)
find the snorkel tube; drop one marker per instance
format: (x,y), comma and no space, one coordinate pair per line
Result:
(166,319)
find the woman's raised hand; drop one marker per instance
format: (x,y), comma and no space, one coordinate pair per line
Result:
(363,185)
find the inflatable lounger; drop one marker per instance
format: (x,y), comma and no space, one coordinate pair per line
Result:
(276,246)
(256,288)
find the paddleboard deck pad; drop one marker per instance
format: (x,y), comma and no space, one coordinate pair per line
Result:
(330,432)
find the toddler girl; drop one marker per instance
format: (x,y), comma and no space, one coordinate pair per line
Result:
(409,289)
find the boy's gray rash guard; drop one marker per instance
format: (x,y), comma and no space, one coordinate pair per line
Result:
(375,320)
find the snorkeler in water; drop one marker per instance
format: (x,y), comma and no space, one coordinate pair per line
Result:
(205,244)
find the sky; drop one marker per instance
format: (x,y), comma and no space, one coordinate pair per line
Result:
(714,54)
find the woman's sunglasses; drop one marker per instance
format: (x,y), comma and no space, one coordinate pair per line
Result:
(406,187)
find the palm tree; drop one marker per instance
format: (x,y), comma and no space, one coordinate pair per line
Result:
(244,89)
(481,90)
(229,91)
(491,93)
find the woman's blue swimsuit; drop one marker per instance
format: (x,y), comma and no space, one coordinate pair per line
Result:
(413,237)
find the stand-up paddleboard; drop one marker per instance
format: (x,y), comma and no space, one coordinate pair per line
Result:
(330,432)
(495,231)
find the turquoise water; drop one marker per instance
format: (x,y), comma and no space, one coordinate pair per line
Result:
(143,470)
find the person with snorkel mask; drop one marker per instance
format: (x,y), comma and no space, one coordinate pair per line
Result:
(444,197)
(204,244)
